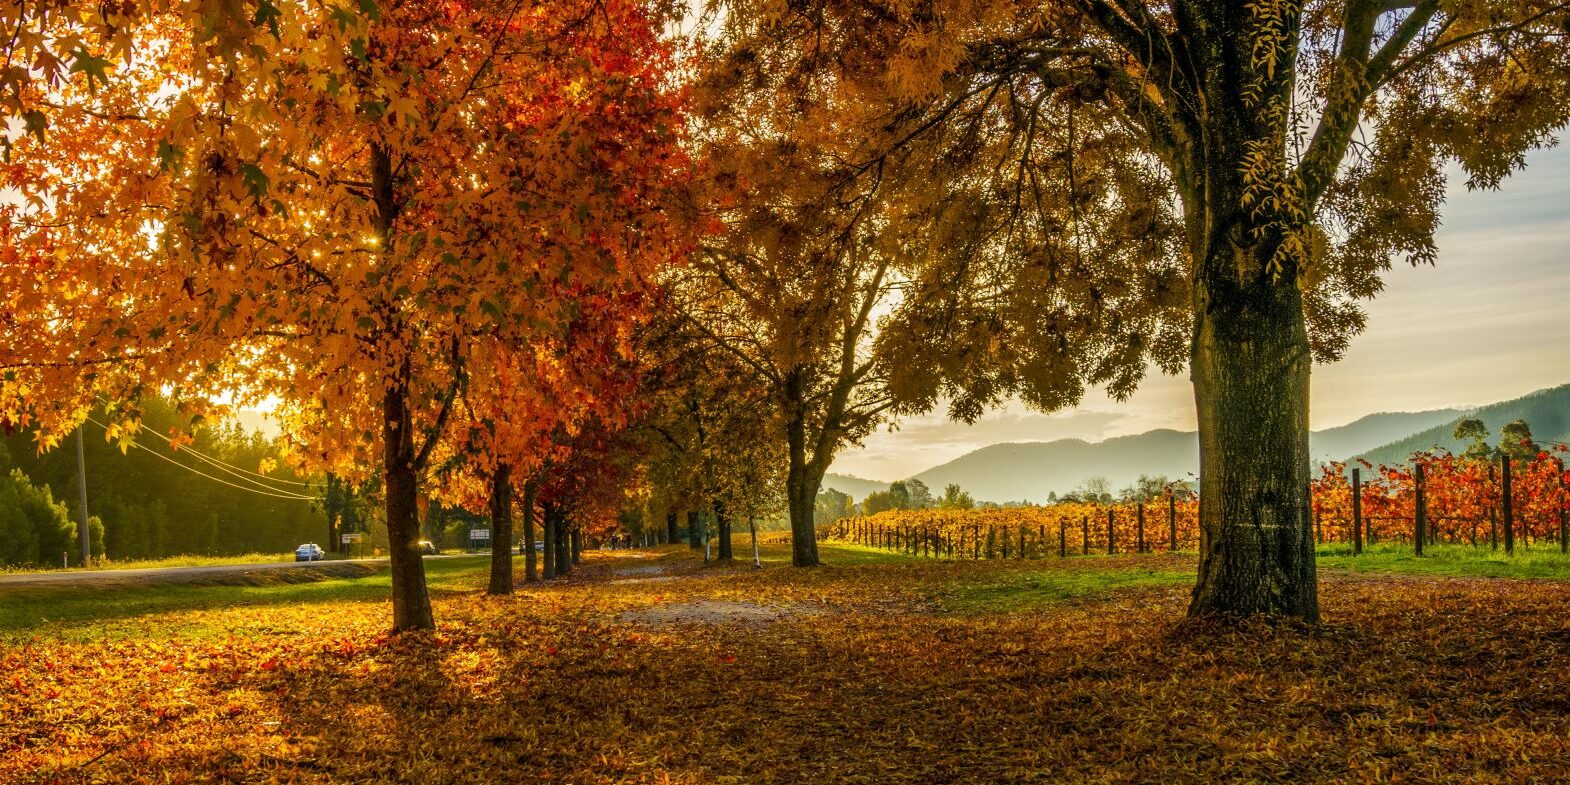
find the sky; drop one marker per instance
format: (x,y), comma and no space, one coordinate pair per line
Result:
(1489,322)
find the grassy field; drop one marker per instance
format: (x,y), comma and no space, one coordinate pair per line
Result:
(652,667)
(100,612)
(149,564)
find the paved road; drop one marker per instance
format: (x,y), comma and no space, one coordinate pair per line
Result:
(172,575)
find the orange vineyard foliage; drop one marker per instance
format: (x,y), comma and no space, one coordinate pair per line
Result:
(1464,497)
(1029,532)
(1464,502)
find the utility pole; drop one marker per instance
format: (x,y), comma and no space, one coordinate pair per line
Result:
(81,486)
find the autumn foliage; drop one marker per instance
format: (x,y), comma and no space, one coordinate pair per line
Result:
(1464,502)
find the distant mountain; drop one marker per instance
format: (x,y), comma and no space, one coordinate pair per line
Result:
(855,487)
(1366,433)
(1547,411)
(1028,471)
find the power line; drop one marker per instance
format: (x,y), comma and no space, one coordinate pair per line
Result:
(267,492)
(230,468)
(227,467)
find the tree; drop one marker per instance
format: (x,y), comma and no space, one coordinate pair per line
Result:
(1515,440)
(917,495)
(1116,183)
(34,528)
(343,218)
(709,439)
(797,270)
(878,501)
(1474,429)
(955,498)
(832,505)
(1094,490)
(1145,489)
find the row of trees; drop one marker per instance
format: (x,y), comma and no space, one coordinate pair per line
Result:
(427,230)
(493,247)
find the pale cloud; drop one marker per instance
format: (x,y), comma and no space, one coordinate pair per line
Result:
(1489,322)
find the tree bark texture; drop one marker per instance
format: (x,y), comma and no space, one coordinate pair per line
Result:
(501,531)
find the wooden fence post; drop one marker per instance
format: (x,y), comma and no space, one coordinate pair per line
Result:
(1564,526)
(1509,513)
(1171,521)
(1140,513)
(1063,538)
(1112,538)
(1084,525)
(1420,515)
(1357,511)
(1319,533)
(1022,541)
(975,542)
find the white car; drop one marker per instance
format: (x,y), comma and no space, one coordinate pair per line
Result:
(309,552)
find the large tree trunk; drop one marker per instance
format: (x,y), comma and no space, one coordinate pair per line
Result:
(529,575)
(577,544)
(501,531)
(411,602)
(1250,358)
(695,529)
(802,479)
(1250,369)
(722,522)
(672,533)
(549,523)
(563,544)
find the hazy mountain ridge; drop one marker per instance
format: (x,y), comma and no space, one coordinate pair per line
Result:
(1547,411)
(1366,433)
(1028,471)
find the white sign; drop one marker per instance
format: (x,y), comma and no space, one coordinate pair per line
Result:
(353,537)
(480,534)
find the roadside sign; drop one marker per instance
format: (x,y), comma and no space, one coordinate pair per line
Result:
(352,537)
(480,534)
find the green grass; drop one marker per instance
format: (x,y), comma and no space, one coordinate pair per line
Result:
(845,554)
(98,611)
(168,561)
(83,612)
(1457,560)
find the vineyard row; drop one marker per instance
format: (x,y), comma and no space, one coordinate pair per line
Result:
(1438,498)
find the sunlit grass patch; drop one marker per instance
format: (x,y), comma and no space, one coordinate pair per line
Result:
(1538,561)
(94,611)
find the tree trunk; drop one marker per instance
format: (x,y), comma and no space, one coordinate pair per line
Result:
(563,544)
(801,481)
(722,522)
(1250,368)
(529,575)
(411,602)
(695,529)
(577,544)
(501,531)
(548,523)
(752,528)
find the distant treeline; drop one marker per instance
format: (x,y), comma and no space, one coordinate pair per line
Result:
(151,507)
